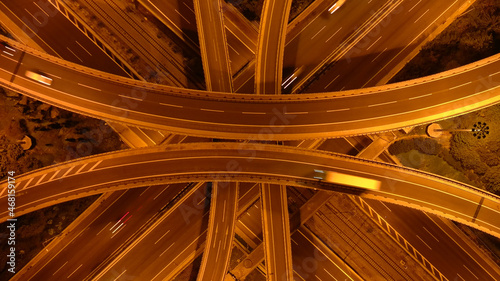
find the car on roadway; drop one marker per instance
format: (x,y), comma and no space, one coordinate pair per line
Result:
(345,179)
(289,80)
(121,222)
(38,76)
(336,6)
(7,48)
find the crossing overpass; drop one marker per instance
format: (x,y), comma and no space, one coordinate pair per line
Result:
(243,116)
(251,162)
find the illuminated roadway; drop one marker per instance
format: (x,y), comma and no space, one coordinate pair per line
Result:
(180,17)
(213,46)
(266,117)
(220,233)
(276,232)
(271,46)
(253,163)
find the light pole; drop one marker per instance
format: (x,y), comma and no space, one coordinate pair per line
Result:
(479,130)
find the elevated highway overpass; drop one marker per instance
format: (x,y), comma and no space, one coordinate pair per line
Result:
(213,45)
(251,163)
(271,46)
(264,117)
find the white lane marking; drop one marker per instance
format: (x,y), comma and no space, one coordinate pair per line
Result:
(470,271)
(38,182)
(211,110)
(460,276)
(331,82)
(373,43)
(74,54)
(218,251)
(182,16)
(166,249)
(95,165)
(414,6)
(379,55)
(248,112)
(224,211)
(318,32)
(333,35)
(162,236)
(458,243)
(227,236)
(87,86)
(74,271)
(144,191)
(81,168)
(160,192)
(216,231)
(386,206)
(384,103)
(430,233)
(33,16)
(43,11)
(317,277)
(415,38)
(68,171)
(201,201)
(119,275)
(461,85)
(493,74)
(233,49)
(297,112)
(295,242)
(106,226)
(55,174)
(188,7)
(53,76)
(127,97)
(421,16)
(83,48)
(8,53)
(172,105)
(335,110)
(412,98)
(174,259)
(59,268)
(329,273)
(27,184)
(423,241)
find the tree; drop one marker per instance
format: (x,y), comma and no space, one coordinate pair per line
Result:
(492,179)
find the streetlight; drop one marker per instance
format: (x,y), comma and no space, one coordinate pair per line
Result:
(480,130)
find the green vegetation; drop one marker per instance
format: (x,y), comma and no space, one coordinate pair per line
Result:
(474,35)
(464,157)
(428,155)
